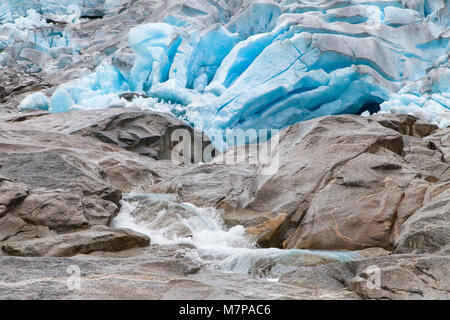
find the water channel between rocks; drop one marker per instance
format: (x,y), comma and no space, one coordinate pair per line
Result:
(202,236)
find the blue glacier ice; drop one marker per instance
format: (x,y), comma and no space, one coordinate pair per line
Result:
(253,64)
(37,100)
(427,98)
(31,27)
(69,10)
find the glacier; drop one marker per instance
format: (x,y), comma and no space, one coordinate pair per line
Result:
(223,64)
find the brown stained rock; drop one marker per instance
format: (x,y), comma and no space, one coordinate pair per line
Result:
(266,232)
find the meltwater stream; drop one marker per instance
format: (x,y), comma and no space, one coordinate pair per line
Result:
(202,235)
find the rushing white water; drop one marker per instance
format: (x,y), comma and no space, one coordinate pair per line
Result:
(202,234)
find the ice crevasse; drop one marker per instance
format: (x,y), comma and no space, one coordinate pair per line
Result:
(270,64)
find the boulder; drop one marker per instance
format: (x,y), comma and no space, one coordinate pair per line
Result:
(10,225)
(63,211)
(13,228)
(403,279)
(56,191)
(99,238)
(54,171)
(208,184)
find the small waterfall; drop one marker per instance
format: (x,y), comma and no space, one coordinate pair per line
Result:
(202,232)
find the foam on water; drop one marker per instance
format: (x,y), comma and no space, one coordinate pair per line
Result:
(203,236)
(178,223)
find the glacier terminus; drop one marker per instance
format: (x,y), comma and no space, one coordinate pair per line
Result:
(232,64)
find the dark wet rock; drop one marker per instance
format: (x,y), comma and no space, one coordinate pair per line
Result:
(129,96)
(10,225)
(13,228)
(143,132)
(359,198)
(185,145)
